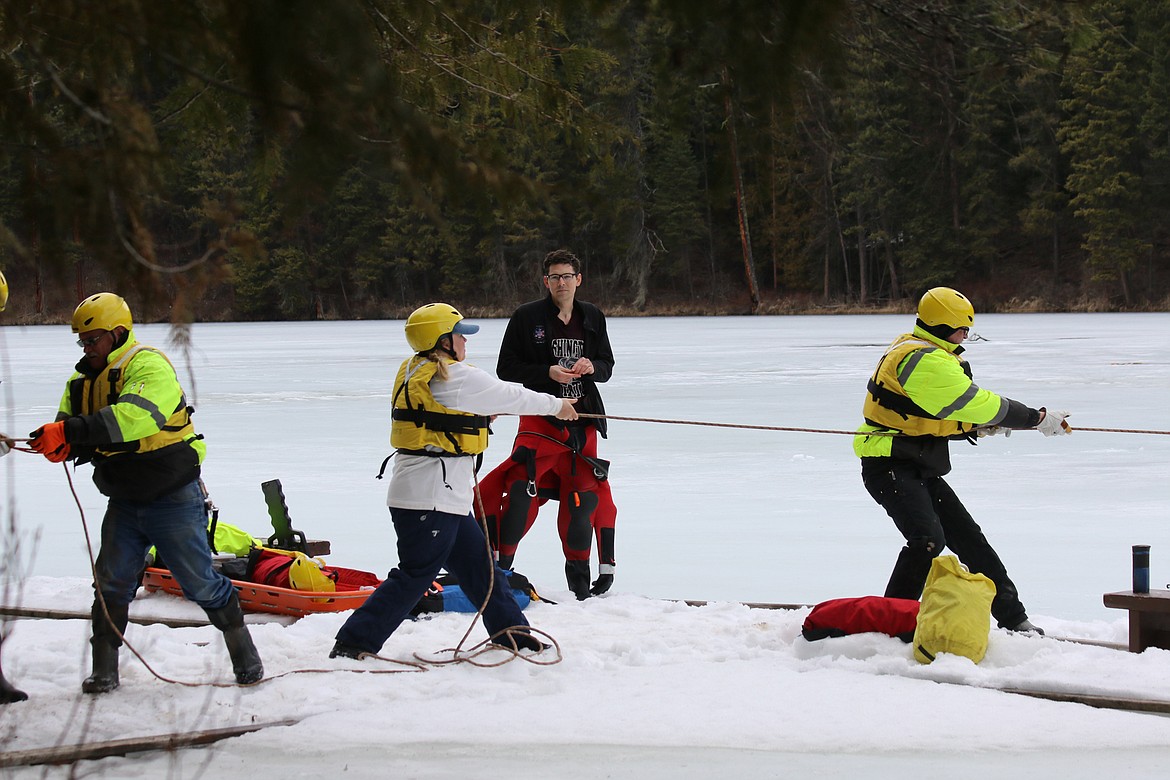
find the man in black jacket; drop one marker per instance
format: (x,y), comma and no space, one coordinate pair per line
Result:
(557,345)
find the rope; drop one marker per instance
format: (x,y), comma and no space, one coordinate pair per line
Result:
(822,430)
(186,683)
(1122,430)
(421,665)
(101,599)
(458,654)
(469,655)
(731,425)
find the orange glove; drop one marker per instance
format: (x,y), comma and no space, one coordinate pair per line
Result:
(49,440)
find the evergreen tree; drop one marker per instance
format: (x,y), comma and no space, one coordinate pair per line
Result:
(1106,79)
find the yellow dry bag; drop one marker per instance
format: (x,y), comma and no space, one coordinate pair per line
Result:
(955,616)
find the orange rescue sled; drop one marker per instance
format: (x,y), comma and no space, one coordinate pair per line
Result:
(255,597)
(353,586)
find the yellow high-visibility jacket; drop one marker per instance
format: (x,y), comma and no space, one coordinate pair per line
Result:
(923,390)
(132,419)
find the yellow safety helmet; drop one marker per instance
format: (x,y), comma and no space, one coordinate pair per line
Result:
(103,311)
(3,291)
(427,324)
(308,574)
(942,307)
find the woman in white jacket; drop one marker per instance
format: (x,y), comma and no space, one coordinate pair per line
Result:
(442,407)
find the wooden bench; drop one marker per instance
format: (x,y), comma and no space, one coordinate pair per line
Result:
(1149,617)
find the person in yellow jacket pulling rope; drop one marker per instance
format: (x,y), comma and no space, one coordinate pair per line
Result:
(923,391)
(124,410)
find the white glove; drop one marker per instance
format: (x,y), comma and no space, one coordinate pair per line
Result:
(1053,423)
(993,430)
(4,446)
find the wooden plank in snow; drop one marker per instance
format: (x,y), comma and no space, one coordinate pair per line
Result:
(67,754)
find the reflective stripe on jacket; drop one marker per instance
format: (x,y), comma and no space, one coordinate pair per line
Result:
(420,422)
(136,401)
(922,388)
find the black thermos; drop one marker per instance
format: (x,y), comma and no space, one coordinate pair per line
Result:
(1141,568)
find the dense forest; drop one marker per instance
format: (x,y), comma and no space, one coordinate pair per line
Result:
(294,159)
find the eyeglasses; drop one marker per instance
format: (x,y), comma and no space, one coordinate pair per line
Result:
(554,278)
(89,342)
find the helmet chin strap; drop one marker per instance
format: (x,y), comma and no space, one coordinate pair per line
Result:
(450,348)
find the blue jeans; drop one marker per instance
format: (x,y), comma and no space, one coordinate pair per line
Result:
(427,542)
(177,525)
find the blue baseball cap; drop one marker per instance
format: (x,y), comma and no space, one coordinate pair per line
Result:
(465,328)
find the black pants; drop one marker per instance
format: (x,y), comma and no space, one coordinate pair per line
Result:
(930,516)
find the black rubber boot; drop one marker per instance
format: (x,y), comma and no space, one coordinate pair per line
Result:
(245,659)
(606,561)
(9,694)
(105,643)
(104,677)
(577,574)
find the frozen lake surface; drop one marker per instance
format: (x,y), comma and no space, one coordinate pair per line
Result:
(703,512)
(647,688)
